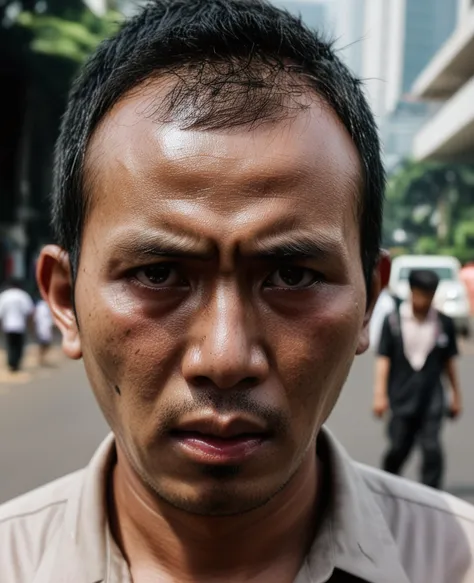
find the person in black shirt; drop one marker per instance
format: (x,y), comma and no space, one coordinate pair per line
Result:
(417,349)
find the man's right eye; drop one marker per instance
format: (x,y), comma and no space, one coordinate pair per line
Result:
(161,275)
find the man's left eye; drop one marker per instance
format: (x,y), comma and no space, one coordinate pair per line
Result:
(292,278)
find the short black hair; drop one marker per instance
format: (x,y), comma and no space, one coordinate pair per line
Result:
(425,280)
(232,62)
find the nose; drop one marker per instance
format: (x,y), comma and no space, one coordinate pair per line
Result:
(224,351)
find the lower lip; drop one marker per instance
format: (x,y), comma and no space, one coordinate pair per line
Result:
(214,450)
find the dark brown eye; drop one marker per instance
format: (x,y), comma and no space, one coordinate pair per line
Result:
(159,275)
(292,278)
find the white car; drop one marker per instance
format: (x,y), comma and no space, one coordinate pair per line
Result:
(451,296)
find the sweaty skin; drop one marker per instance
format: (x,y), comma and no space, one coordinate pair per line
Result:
(220,286)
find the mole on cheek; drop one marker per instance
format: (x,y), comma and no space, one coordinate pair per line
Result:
(117,390)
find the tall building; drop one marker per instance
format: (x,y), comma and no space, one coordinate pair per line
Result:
(314,13)
(347,20)
(428,24)
(400,37)
(448,81)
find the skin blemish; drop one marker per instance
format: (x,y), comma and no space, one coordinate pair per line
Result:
(117,390)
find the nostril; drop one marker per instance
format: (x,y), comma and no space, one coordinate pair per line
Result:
(248,383)
(204,382)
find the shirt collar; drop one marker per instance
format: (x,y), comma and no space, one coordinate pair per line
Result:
(80,551)
(354,537)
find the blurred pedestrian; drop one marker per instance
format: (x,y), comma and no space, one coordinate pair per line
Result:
(16,307)
(384,306)
(417,350)
(44,330)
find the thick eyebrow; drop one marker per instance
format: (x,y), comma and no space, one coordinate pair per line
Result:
(164,245)
(297,248)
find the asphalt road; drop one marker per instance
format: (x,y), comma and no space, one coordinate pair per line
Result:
(50,425)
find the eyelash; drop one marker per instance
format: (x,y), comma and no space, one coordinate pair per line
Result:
(132,277)
(132,274)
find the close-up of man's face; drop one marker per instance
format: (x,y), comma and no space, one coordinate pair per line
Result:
(220,297)
(202,252)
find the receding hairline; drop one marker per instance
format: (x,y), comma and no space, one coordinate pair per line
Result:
(156,88)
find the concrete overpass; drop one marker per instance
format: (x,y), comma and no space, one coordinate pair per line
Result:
(449,80)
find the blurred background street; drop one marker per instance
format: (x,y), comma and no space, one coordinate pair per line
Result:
(51,425)
(415,57)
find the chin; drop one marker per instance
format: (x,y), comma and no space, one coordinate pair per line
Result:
(217,501)
(221,492)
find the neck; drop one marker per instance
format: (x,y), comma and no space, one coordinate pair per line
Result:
(420,315)
(269,543)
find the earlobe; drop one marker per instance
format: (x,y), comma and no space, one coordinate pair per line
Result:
(54,278)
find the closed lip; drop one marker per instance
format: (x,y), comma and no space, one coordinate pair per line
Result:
(222,428)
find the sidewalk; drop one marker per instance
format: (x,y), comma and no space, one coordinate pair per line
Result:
(30,370)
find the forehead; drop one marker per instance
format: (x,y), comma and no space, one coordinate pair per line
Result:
(304,165)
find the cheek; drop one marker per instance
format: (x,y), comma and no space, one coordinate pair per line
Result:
(129,357)
(315,351)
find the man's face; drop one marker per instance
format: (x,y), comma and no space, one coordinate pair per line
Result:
(422,301)
(220,298)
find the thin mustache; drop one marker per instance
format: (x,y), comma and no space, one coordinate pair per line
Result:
(235,404)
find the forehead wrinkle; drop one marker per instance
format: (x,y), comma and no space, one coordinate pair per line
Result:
(262,184)
(236,175)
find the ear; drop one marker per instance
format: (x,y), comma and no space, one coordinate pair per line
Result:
(380,279)
(54,277)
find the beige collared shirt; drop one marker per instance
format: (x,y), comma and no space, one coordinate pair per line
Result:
(382,529)
(419,337)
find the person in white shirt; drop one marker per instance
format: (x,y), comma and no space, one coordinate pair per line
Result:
(417,354)
(16,307)
(44,329)
(384,306)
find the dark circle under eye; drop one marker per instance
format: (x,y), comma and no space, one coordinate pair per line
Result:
(292,276)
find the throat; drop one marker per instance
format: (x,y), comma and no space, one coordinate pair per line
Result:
(163,543)
(420,316)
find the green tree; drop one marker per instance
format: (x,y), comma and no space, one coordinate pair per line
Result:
(73,37)
(432,203)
